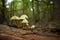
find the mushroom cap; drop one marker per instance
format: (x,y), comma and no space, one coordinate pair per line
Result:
(14,18)
(25,21)
(23,16)
(33,26)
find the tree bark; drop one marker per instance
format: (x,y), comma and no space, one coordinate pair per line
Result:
(33,11)
(56,11)
(3,12)
(38,11)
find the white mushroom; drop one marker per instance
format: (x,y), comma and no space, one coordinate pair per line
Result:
(25,21)
(33,26)
(23,16)
(14,18)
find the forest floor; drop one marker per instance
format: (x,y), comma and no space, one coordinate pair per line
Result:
(9,33)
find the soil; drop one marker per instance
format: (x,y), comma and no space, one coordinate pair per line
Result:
(9,33)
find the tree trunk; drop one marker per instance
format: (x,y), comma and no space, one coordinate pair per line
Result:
(33,11)
(3,12)
(56,14)
(38,11)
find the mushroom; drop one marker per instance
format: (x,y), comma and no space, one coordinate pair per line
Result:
(23,16)
(14,18)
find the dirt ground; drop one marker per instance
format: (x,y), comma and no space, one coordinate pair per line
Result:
(7,33)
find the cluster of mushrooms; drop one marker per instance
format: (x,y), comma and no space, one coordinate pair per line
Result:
(20,21)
